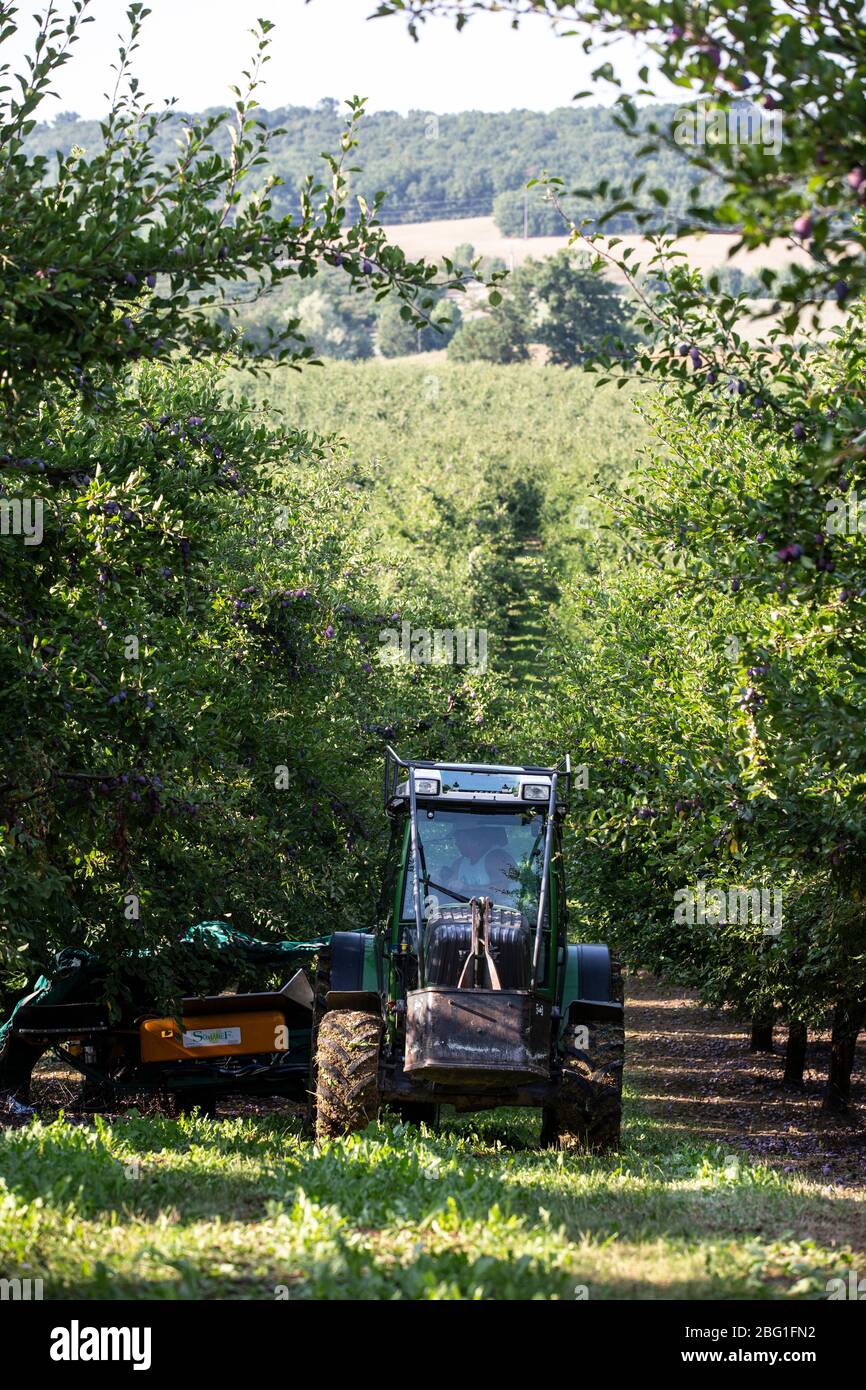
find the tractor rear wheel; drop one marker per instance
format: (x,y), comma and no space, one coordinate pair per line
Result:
(587,1113)
(347,1072)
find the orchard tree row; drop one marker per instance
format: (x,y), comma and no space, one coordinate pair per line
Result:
(716,680)
(194,701)
(715,684)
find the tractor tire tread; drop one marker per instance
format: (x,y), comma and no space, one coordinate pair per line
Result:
(347,1072)
(587,1113)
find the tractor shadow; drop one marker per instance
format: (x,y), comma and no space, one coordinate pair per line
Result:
(510,1130)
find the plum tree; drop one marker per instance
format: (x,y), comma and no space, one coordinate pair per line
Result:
(203,602)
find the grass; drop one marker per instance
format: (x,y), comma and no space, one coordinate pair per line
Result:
(248,1208)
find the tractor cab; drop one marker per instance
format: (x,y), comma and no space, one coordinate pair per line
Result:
(472,834)
(477,907)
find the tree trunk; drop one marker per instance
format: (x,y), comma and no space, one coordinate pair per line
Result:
(762,1033)
(795,1053)
(848,1018)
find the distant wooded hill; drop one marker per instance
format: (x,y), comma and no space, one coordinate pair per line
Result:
(465,165)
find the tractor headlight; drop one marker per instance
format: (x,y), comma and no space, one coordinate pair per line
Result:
(536,791)
(426,786)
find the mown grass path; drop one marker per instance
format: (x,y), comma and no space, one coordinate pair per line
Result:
(246,1207)
(528,615)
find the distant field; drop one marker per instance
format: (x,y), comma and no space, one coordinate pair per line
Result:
(424,427)
(476,476)
(434,239)
(707,252)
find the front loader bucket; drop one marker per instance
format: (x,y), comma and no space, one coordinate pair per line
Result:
(477,1036)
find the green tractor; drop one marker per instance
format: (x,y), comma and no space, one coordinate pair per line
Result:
(467,991)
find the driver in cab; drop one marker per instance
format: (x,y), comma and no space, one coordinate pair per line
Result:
(484,867)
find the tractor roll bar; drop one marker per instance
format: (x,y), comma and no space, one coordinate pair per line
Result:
(416,894)
(393,764)
(542,897)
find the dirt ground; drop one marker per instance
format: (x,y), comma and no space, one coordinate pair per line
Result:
(693,1069)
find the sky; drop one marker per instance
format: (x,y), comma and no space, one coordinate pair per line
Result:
(194,49)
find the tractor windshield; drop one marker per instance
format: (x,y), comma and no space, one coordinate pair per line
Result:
(470,854)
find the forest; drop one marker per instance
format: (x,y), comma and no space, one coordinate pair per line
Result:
(467,164)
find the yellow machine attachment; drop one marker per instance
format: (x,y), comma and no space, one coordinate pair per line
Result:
(211,1035)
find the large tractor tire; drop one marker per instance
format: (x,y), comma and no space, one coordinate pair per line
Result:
(587,1112)
(321,986)
(347,1072)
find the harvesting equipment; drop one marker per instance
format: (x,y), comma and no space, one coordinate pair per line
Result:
(217,1043)
(465,992)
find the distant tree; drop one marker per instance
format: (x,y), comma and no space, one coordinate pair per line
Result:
(463,255)
(570,309)
(395,337)
(332,331)
(499,336)
(335,320)
(465,259)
